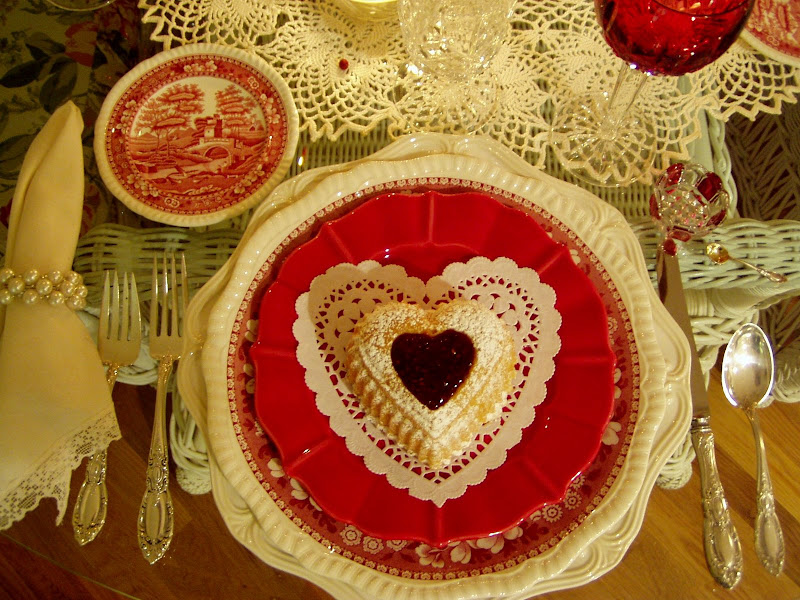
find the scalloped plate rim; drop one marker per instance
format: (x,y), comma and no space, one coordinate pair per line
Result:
(133,76)
(280,221)
(434,537)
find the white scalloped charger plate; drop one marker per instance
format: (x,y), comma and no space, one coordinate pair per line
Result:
(603,554)
(196,134)
(524,577)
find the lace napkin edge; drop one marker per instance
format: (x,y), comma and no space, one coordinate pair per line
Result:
(53,481)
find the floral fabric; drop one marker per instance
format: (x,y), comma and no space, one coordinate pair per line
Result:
(47,57)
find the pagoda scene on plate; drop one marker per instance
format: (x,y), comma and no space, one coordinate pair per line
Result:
(187,134)
(197,135)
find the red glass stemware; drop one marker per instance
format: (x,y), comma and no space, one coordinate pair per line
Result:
(671,37)
(599,138)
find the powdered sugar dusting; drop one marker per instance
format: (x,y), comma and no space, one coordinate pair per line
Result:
(345,293)
(446,430)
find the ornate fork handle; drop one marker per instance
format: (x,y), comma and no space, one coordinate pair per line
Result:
(91,506)
(723,550)
(155,526)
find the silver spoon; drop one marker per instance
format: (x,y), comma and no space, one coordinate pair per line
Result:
(719,254)
(748,374)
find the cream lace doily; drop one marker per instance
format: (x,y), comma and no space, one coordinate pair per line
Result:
(342,66)
(340,297)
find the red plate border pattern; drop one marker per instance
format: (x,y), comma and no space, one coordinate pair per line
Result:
(538,469)
(543,529)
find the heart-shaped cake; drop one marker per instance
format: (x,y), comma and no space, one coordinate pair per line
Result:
(431,378)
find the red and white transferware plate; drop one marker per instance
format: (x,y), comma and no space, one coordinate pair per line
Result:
(196,134)
(774,29)
(497,550)
(562,545)
(423,233)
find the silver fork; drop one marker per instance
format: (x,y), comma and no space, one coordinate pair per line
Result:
(118,340)
(167,306)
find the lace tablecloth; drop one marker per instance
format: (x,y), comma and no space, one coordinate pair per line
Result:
(342,65)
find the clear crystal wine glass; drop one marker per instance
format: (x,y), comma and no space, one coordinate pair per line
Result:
(600,138)
(447,85)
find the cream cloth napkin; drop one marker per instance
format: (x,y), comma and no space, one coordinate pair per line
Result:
(55,405)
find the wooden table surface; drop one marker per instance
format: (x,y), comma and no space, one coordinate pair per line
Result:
(666,561)
(39,560)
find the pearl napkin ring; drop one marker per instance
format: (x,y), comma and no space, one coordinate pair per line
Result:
(55,287)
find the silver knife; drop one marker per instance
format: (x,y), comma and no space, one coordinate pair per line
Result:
(723,551)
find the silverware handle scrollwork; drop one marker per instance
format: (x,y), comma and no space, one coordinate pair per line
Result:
(91,505)
(768,532)
(155,526)
(722,547)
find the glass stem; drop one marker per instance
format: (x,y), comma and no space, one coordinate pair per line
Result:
(630,82)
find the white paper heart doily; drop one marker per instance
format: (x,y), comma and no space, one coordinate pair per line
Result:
(341,296)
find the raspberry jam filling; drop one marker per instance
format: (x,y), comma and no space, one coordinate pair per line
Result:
(433,367)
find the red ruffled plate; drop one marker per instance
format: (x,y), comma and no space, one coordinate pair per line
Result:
(544,530)
(424,233)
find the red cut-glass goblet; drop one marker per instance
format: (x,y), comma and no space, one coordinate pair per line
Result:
(688,201)
(599,138)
